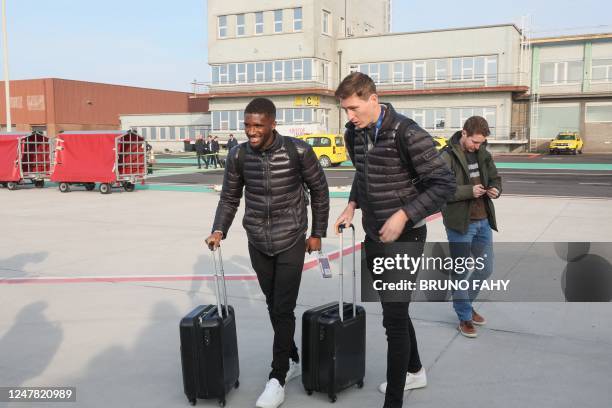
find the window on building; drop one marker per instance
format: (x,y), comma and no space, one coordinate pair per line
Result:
(223,77)
(240,28)
(250,72)
(182,132)
(259,72)
(215,75)
(398,72)
(241,73)
(172,133)
(601,70)
(467,69)
(259,22)
(384,73)
(491,70)
(307,67)
(598,112)
(222,22)
(439,118)
(326,22)
(216,120)
(153,130)
(143,132)
(441,68)
(308,115)
(297,19)
(561,72)
(224,121)
(298,115)
(232,73)
(288,70)
(419,74)
(240,120)
(297,70)
(278,70)
(162,133)
(278,21)
(280,116)
(268,72)
(373,69)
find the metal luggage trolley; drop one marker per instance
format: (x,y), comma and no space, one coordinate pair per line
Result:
(111,158)
(24,156)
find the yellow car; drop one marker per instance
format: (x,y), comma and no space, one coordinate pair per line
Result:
(330,149)
(569,142)
(440,142)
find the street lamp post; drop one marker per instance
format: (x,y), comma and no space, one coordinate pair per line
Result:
(7,93)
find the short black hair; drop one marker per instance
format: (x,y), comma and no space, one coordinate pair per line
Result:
(262,106)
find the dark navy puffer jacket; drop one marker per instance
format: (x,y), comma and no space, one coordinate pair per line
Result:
(275,216)
(382,183)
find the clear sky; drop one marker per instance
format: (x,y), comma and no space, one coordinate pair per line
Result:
(163,44)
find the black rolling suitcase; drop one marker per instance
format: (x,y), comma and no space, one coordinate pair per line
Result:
(209,347)
(333,342)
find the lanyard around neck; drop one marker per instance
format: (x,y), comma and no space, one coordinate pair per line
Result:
(379,122)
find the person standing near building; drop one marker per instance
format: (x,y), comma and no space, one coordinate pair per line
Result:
(231,142)
(200,148)
(210,152)
(469,216)
(394,206)
(215,151)
(272,169)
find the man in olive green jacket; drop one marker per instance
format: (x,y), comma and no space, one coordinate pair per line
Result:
(469,217)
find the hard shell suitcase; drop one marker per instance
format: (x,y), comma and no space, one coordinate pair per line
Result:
(209,347)
(333,342)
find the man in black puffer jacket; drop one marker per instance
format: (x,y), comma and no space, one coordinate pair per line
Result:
(273,169)
(400,180)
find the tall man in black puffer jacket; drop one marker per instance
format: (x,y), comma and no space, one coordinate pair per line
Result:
(400,179)
(272,170)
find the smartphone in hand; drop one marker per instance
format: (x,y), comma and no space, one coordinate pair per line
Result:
(324,265)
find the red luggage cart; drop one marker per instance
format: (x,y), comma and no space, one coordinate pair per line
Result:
(112,158)
(24,156)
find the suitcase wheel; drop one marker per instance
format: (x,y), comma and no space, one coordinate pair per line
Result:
(237,384)
(222,403)
(333,398)
(192,401)
(309,392)
(360,384)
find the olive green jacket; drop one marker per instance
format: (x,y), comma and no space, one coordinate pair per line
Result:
(456,214)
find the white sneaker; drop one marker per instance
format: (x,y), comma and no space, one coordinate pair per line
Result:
(272,396)
(413,381)
(295,370)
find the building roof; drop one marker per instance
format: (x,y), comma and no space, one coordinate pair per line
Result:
(435,31)
(571,38)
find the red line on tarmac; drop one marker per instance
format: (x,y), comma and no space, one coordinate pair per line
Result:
(171,278)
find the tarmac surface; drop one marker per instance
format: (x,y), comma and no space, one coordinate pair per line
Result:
(92,288)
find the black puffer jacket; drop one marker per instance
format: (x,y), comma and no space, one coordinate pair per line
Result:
(382,183)
(275,216)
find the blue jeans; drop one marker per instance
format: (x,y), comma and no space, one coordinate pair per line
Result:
(476,242)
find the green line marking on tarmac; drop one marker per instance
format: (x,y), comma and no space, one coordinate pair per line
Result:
(174,187)
(554,166)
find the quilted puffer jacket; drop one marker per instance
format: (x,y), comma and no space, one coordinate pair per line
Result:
(275,216)
(383,183)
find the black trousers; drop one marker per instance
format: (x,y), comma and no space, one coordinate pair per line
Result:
(279,277)
(402,350)
(202,157)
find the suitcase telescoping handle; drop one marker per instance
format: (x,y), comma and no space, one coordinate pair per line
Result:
(218,263)
(342,227)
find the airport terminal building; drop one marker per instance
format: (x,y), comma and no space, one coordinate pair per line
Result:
(296,52)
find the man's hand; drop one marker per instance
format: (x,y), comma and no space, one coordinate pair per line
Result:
(493,192)
(313,244)
(346,217)
(214,240)
(478,190)
(393,227)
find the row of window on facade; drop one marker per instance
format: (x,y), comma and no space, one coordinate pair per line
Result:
(234,119)
(307,69)
(172,132)
(428,118)
(258,20)
(567,72)
(480,68)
